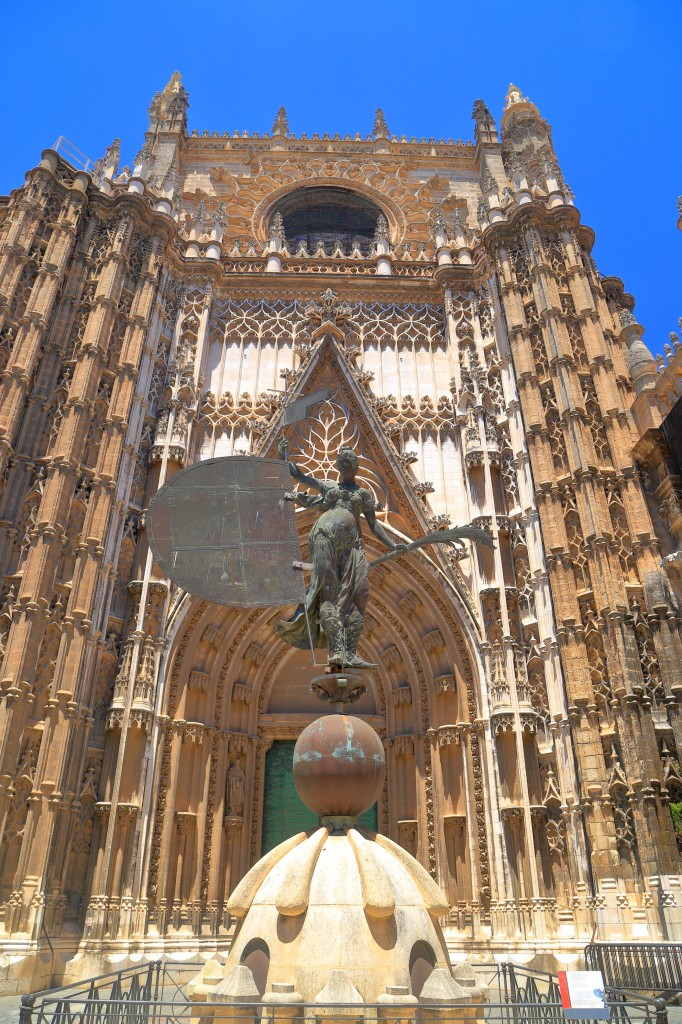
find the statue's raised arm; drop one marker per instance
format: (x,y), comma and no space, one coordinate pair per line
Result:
(297,474)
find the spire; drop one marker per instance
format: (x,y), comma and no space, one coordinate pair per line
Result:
(439,227)
(514,95)
(638,358)
(281,123)
(528,151)
(154,110)
(174,85)
(518,107)
(380,129)
(276,228)
(486,130)
(145,153)
(168,109)
(113,155)
(381,230)
(107,165)
(219,218)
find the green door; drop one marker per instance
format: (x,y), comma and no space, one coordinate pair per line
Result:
(283,812)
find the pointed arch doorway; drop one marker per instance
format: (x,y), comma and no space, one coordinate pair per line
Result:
(235,692)
(288,707)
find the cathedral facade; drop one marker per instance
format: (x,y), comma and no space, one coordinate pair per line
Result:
(527,695)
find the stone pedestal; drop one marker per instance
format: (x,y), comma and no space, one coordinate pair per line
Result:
(341,991)
(284,1001)
(237,990)
(397,1004)
(440,993)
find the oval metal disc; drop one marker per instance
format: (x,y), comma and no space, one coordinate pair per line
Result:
(223,531)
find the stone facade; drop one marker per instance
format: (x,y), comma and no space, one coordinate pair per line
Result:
(528,697)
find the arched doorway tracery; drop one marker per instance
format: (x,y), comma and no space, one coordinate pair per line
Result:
(225,701)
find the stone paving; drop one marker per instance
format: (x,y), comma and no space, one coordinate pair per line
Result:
(9,1009)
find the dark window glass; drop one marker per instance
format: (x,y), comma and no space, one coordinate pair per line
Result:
(333,216)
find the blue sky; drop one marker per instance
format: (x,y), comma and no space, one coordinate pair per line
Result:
(606,75)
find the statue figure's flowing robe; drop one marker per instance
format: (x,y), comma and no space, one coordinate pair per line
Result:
(339,566)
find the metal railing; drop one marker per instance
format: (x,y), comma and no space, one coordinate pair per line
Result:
(530,992)
(643,967)
(101,998)
(174,1012)
(628,1007)
(72,154)
(155,994)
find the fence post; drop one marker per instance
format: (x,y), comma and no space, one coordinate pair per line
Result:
(504,968)
(26,1008)
(661,1005)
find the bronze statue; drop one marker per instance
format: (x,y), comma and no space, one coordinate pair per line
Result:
(338,592)
(222,530)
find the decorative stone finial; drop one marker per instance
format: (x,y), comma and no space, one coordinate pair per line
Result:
(144,155)
(174,84)
(168,108)
(281,123)
(107,165)
(481,114)
(486,130)
(219,218)
(459,223)
(514,95)
(638,358)
(380,129)
(626,317)
(276,227)
(381,230)
(440,233)
(489,186)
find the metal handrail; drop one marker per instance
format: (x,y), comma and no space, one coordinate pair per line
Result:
(72,154)
(92,990)
(623,1001)
(519,996)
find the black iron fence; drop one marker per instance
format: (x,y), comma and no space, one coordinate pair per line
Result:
(155,993)
(654,967)
(116,996)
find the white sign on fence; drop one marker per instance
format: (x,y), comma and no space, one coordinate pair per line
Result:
(582,995)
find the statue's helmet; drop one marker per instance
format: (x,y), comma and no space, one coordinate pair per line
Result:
(347,457)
